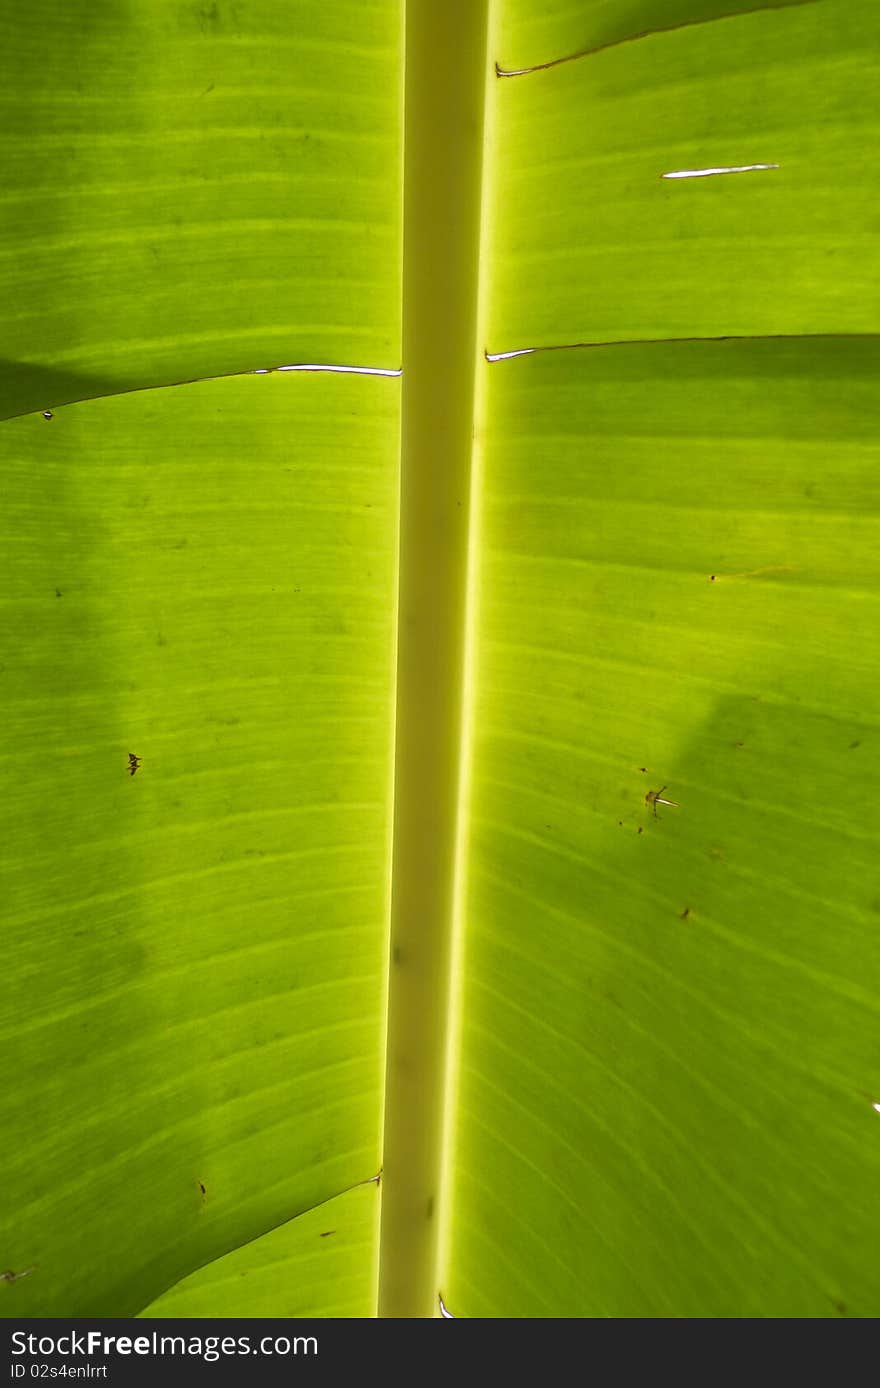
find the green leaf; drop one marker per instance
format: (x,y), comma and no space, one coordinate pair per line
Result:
(193,1015)
(555,31)
(320,1264)
(669,1022)
(494,842)
(195,189)
(590,243)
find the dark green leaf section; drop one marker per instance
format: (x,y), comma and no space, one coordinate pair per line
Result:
(322,1264)
(530,34)
(669,1057)
(194,955)
(195,187)
(587,241)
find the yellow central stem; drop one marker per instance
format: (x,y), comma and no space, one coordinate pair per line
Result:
(445,83)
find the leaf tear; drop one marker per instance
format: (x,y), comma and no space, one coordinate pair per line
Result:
(713,172)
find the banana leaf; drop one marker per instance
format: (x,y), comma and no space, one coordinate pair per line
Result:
(656,1040)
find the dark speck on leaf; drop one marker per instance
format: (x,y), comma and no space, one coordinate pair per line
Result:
(327,1232)
(47,414)
(853,745)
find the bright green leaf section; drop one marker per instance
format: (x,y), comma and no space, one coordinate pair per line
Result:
(194,956)
(588,242)
(669,1053)
(196,187)
(530,34)
(321,1264)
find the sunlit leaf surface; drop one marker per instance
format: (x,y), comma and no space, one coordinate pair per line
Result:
(669,1052)
(321,1264)
(195,187)
(669,965)
(589,242)
(530,34)
(194,955)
